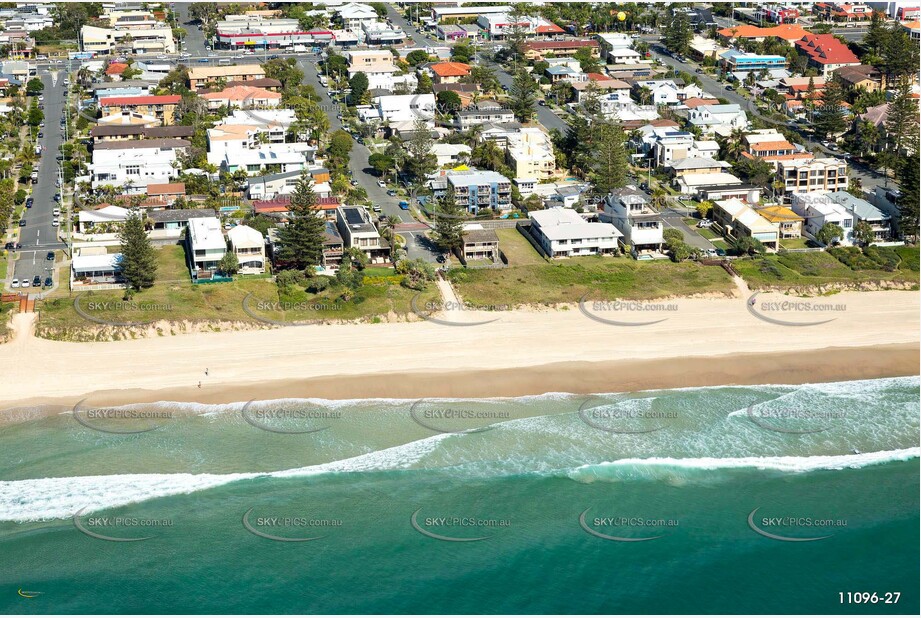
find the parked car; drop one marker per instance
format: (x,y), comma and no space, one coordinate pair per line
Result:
(48,282)
(720,252)
(353,182)
(542,102)
(391,193)
(29,202)
(56,212)
(14,283)
(730,87)
(55,223)
(376,208)
(50,256)
(57,197)
(381,184)
(9,246)
(404,205)
(698,70)
(36,281)
(22,223)
(41,134)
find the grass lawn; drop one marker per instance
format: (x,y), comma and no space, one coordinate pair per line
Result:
(5,310)
(176,298)
(517,249)
(719,243)
(795,243)
(3,261)
(819,267)
(566,281)
(708,233)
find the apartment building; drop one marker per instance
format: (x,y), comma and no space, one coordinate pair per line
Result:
(377,64)
(789,224)
(475,190)
(163,107)
(804,176)
(826,53)
(201,76)
(242,97)
(482,113)
(529,152)
(818,209)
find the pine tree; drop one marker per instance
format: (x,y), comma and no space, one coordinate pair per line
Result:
(902,121)
(900,53)
(139,262)
(830,118)
(301,241)
(609,170)
(421,162)
(678,33)
(909,179)
(448,231)
(523,96)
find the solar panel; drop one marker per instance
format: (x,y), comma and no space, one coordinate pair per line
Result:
(353,217)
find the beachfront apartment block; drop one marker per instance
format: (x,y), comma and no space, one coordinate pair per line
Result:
(529,152)
(805,175)
(641,226)
(357,229)
(562,232)
(248,245)
(476,190)
(205,245)
(162,107)
(202,76)
(736,219)
(134,164)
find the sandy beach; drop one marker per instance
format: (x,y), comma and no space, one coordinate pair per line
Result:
(699,342)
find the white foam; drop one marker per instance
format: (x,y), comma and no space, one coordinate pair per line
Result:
(783,463)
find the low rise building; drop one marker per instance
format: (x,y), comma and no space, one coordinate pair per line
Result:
(529,152)
(242,97)
(862,210)
(479,243)
(202,76)
(475,190)
(736,219)
(135,164)
(818,209)
(562,232)
(205,246)
(358,230)
(161,107)
(641,226)
(808,175)
(482,113)
(248,245)
(789,224)
(718,119)
(148,37)
(826,53)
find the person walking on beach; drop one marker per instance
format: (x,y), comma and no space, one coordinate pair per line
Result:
(199,385)
(206,371)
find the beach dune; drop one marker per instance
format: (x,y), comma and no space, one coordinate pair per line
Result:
(698,342)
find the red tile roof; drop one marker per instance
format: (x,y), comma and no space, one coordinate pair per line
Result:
(168,99)
(116,68)
(167,188)
(549,29)
(826,49)
(788,32)
(450,69)
(283,204)
(568,44)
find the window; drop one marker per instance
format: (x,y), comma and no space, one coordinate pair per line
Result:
(133,170)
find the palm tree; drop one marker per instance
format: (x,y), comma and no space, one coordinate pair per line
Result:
(473,135)
(659,198)
(388,225)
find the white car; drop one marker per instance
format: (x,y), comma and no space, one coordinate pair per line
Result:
(381,184)
(56,212)
(55,223)
(249,52)
(14,283)
(185,55)
(162,57)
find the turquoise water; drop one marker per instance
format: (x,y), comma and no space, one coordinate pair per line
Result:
(684,467)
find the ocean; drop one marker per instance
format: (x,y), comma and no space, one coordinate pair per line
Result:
(756,499)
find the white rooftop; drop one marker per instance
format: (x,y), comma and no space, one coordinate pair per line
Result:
(205,233)
(567,224)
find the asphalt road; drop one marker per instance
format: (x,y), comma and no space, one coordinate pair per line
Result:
(39,236)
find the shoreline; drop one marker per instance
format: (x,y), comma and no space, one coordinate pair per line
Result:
(701,342)
(832,364)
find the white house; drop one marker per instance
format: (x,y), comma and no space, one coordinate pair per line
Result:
(248,245)
(640,225)
(354,15)
(88,220)
(879,222)
(378,65)
(670,144)
(719,119)
(562,232)
(448,155)
(135,163)
(233,147)
(817,208)
(358,230)
(206,246)
(397,108)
